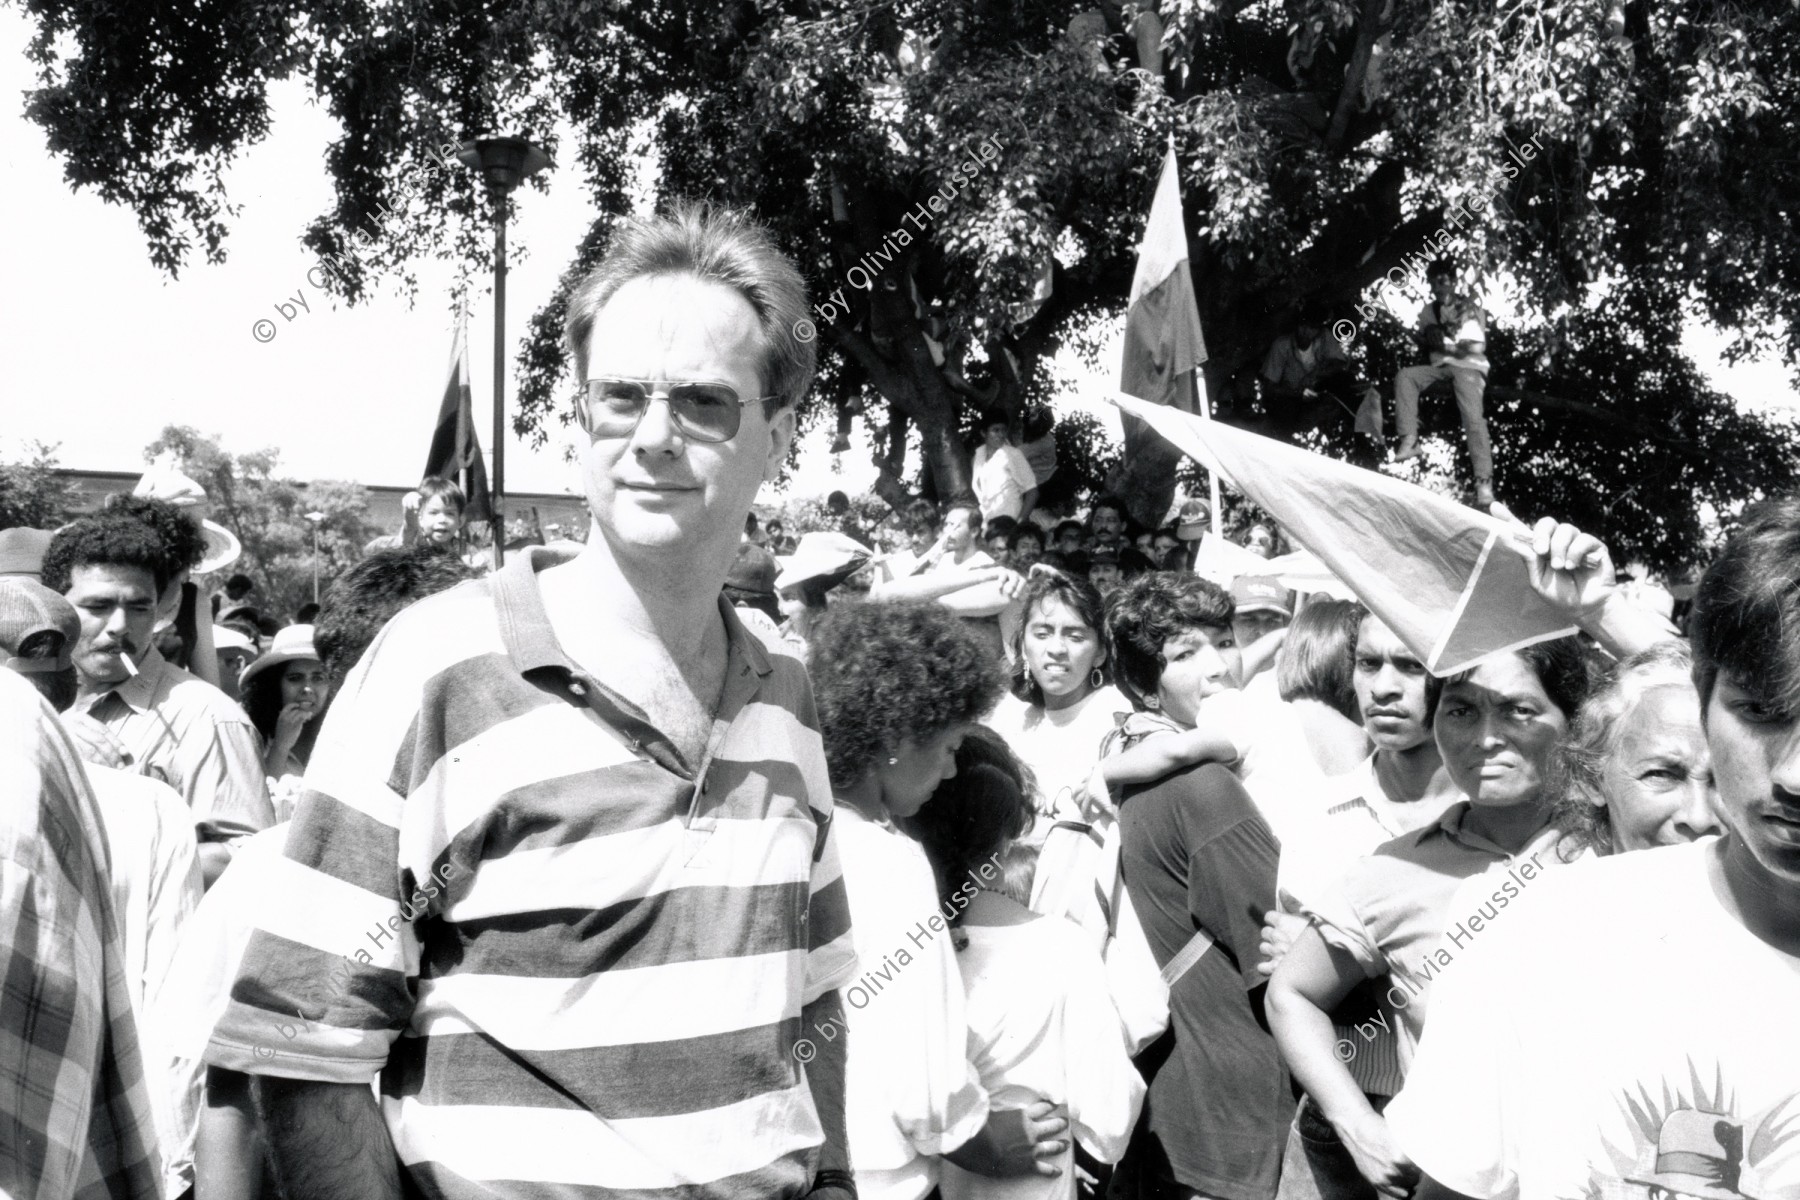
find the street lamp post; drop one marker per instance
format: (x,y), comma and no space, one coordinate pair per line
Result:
(315,519)
(504,162)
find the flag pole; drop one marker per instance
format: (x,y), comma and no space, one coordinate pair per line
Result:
(462,410)
(1212,475)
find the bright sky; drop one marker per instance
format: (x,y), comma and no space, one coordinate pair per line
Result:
(107,350)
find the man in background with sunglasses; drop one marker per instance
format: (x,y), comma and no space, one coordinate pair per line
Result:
(566,843)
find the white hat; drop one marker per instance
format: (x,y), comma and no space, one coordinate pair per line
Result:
(294,642)
(163,482)
(821,554)
(227,638)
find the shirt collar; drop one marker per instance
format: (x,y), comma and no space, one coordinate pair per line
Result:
(140,690)
(531,641)
(1450,826)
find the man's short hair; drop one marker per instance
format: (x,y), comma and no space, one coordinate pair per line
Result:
(718,245)
(922,514)
(1001,526)
(1440,268)
(109,540)
(433,487)
(1154,609)
(366,597)
(1745,621)
(1112,502)
(1069,525)
(184,547)
(239,586)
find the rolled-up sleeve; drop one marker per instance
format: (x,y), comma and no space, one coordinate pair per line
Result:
(226,787)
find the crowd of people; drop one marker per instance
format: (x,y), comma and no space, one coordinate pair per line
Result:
(1013,860)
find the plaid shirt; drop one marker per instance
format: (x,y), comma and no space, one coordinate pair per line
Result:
(75,1116)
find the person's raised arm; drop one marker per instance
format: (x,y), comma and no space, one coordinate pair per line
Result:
(935,586)
(327,1140)
(1313,979)
(1574,571)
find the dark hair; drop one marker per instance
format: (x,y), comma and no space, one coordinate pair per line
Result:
(364,598)
(434,487)
(1072,590)
(239,586)
(1108,500)
(183,544)
(261,700)
(1025,529)
(837,502)
(306,612)
(1134,562)
(888,673)
(718,245)
(1001,526)
(1581,810)
(1151,610)
(1318,659)
(973,816)
(1440,267)
(749,522)
(922,515)
(110,540)
(1745,622)
(1565,669)
(1063,527)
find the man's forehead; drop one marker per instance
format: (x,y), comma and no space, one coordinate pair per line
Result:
(111,579)
(680,323)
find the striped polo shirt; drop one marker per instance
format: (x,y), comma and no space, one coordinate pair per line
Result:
(577,962)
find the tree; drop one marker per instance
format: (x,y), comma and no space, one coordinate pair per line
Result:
(268,515)
(32,494)
(1607,165)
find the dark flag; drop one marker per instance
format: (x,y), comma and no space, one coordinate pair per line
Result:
(455,450)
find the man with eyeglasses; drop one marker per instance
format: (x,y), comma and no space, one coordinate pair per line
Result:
(566,845)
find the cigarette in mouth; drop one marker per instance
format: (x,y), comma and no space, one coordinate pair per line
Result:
(130,667)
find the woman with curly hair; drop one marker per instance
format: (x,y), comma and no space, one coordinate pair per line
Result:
(1063,703)
(1638,771)
(898,687)
(1041,1022)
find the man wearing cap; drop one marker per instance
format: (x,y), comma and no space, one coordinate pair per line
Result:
(1264,607)
(168,723)
(154,873)
(566,845)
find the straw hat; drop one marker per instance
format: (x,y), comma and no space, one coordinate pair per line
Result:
(291,644)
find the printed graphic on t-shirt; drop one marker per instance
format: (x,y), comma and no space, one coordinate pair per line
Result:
(1693,1141)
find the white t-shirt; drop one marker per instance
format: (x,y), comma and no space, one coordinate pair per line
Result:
(1620,1029)
(1041,1025)
(1001,481)
(1275,765)
(1061,746)
(910,1092)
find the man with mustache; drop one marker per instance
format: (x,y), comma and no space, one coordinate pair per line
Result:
(140,711)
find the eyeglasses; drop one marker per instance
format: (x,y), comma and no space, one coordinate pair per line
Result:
(703,412)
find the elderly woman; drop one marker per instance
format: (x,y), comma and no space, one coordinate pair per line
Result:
(1500,728)
(1063,703)
(899,686)
(1639,774)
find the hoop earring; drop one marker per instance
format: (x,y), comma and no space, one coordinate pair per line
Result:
(1096,678)
(893,762)
(1152,703)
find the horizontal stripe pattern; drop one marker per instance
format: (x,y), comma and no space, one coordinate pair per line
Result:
(604,994)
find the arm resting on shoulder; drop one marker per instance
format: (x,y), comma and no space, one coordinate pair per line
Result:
(1164,754)
(327,1140)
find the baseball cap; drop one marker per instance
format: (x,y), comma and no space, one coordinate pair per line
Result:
(1259,593)
(1192,521)
(22,551)
(754,571)
(28,607)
